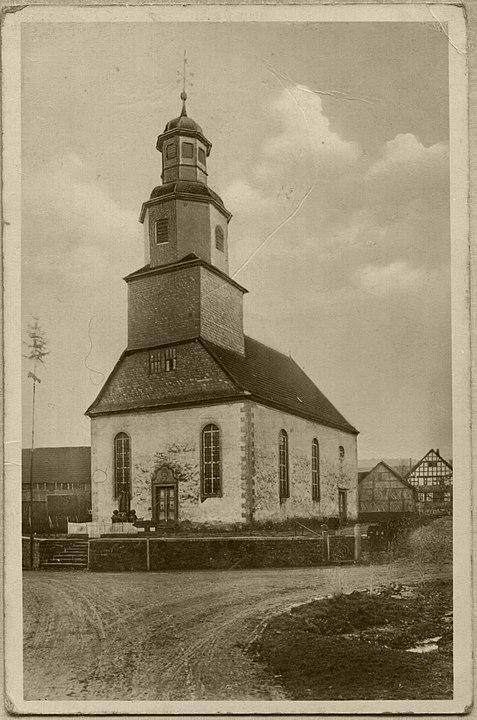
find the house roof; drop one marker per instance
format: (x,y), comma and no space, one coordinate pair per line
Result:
(57,464)
(398,476)
(263,374)
(426,456)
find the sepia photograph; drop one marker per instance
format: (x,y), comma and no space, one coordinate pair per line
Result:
(237,360)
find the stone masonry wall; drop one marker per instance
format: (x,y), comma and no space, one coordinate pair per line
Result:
(167,554)
(170,438)
(334,473)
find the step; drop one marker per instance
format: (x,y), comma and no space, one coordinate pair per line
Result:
(67,558)
(64,566)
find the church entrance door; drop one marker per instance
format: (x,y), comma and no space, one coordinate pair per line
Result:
(343,505)
(164,504)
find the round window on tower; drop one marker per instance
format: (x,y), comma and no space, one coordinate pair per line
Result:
(219,238)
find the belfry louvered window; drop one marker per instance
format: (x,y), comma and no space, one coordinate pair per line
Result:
(219,238)
(187,150)
(211,471)
(122,463)
(315,470)
(283,465)
(162,231)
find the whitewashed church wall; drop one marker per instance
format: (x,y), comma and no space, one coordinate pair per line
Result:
(334,472)
(170,438)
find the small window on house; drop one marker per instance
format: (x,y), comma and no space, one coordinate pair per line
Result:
(170,359)
(432,463)
(154,362)
(219,238)
(162,231)
(211,474)
(171,150)
(283,465)
(342,452)
(201,154)
(187,150)
(122,464)
(315,470)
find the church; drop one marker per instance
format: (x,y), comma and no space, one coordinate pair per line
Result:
(197,423)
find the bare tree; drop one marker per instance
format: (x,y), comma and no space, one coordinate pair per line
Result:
(37,347)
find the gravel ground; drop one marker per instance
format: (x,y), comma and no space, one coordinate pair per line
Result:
(169,636)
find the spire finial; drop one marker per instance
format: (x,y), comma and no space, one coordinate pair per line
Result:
(183,93)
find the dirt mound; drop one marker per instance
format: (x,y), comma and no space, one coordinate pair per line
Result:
(431,543)
(392,643)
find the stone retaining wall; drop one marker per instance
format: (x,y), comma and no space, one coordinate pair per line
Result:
(204,553)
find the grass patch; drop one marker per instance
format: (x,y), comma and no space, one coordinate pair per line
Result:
(355,647)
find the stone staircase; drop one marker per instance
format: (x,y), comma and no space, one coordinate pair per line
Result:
(74,556)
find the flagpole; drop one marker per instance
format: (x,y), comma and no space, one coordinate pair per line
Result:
(34,380)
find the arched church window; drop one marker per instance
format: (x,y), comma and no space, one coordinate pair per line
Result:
(342,452)
(187,150)
(211,471)
(315,470)
(283,465)
(122,463)
(171,150)
(219,238)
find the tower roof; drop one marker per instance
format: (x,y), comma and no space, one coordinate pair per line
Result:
(183,122)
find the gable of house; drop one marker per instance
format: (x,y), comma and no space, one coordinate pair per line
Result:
(432,469)
(384,490)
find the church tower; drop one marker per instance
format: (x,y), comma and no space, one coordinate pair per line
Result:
(184,290)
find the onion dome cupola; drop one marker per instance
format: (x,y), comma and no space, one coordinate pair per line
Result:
(184,149)
(183,215)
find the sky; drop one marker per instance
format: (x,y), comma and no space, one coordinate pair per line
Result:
(330,148)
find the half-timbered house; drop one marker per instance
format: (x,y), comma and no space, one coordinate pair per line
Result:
(432,479)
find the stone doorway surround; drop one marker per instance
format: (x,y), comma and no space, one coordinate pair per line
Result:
(164,491)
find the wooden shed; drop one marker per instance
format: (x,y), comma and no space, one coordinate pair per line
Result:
(383,494)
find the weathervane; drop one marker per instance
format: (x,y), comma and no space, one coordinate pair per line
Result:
(183,76)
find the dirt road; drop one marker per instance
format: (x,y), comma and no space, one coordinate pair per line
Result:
(168,636)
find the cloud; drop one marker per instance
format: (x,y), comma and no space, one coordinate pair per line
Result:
(305,137)
(398,276)
(406,152)
(315,195)
(87,231)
